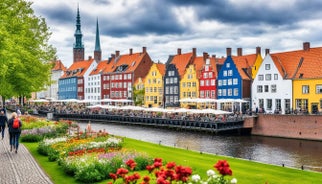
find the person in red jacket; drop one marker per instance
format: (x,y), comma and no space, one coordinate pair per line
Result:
(14,132)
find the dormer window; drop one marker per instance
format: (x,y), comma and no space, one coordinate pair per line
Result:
(133,63)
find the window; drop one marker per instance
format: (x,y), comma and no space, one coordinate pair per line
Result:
(219,82)
(235,91)
(260,77)
(259,89)
(261,103)
(202,83)
(230,82)
(230,72)
(205,75)
(269,104)
(219,92)
(318,88)
(266,88)
(225,73)
(202,94)
(194,84)
(224,92)
(273,88)
(278,104)
(227,65)
(175,80)
(230,92)
(224,82)
(268,77)
(213,82)
(305,89)
(235,81)
(267,66)
(275,76)
(183,84)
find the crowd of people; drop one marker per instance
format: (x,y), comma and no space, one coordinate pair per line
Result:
(79,108)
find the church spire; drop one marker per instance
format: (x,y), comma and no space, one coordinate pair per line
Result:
(78,50)
(97,51)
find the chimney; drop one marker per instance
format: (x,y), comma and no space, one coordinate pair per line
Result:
(117,53)
(266,52)
(112,55)
(214,56)
(228,51)
(239,51)
(205,55)
(89,57)
(131,51)
(179,51)
(306,46)
(194,52)
(258,50)
(143,50)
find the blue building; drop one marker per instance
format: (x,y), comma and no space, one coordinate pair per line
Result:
(67,88)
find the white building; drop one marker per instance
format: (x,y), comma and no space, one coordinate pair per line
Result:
(272,86)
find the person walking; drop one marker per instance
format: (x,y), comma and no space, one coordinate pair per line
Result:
(14,126)
(3,122)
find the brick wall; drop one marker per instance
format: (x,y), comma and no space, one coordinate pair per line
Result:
(289,126)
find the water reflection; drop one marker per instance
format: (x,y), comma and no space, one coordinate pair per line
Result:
(278,151)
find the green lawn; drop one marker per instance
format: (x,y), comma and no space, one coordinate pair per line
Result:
(245,171)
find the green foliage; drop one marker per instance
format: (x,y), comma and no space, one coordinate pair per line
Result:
(31,138)
(24,49)
(138,96)
(142,162)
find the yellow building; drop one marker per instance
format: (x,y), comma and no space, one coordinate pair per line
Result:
(307,80)
(307,95)
(189,83)
(154,86)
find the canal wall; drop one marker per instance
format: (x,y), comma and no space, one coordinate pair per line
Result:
(288,126)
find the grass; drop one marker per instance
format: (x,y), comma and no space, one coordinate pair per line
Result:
(245,171)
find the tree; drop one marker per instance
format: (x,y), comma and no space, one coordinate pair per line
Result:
(138,96)
(24,50)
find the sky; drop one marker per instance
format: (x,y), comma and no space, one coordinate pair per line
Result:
(163,26)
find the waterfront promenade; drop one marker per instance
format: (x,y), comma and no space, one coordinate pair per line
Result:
(19,168)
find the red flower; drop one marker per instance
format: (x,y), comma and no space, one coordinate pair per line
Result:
(150,168)
(157,164)
(131,163)
(113,176)
(146,179)
(122,172)
(170,165)
(223,167)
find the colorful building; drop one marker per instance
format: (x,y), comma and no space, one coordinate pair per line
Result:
(154,86)
(175,69)
(234,81)
(122,71)
(189,83)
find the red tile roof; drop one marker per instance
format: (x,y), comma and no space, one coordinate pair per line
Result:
(300,63)
(198,63)
(99,68)
(78,68)
(58,65)
(244,63)
(181,62)
(161,68)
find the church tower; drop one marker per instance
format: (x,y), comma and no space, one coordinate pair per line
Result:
(97,51)
(78,50)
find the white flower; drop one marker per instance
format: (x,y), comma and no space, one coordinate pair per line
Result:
(195,178)
(210,173)
(233,181)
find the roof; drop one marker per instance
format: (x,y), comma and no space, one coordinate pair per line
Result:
(78,69)
(99,68)
(181,61)
(161,68)
(125,63)
(198,63)
(300,63)
(58,65)
(243,63)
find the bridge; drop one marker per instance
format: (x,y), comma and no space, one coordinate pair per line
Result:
(231,124)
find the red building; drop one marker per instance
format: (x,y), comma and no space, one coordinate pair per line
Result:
(121,72)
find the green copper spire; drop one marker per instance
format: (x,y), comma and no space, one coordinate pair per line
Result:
(97,41)
(78,33)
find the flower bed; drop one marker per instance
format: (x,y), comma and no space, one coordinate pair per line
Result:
(35,129)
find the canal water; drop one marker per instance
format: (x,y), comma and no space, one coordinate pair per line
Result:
(278,151)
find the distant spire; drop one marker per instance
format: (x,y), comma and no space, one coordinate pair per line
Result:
(97,51)
(97,41)
(78,33)
(78,50)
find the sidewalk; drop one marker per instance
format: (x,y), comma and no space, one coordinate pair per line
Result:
(19,168)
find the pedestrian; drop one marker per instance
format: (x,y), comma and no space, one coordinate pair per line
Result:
(14,126)
(3,122)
